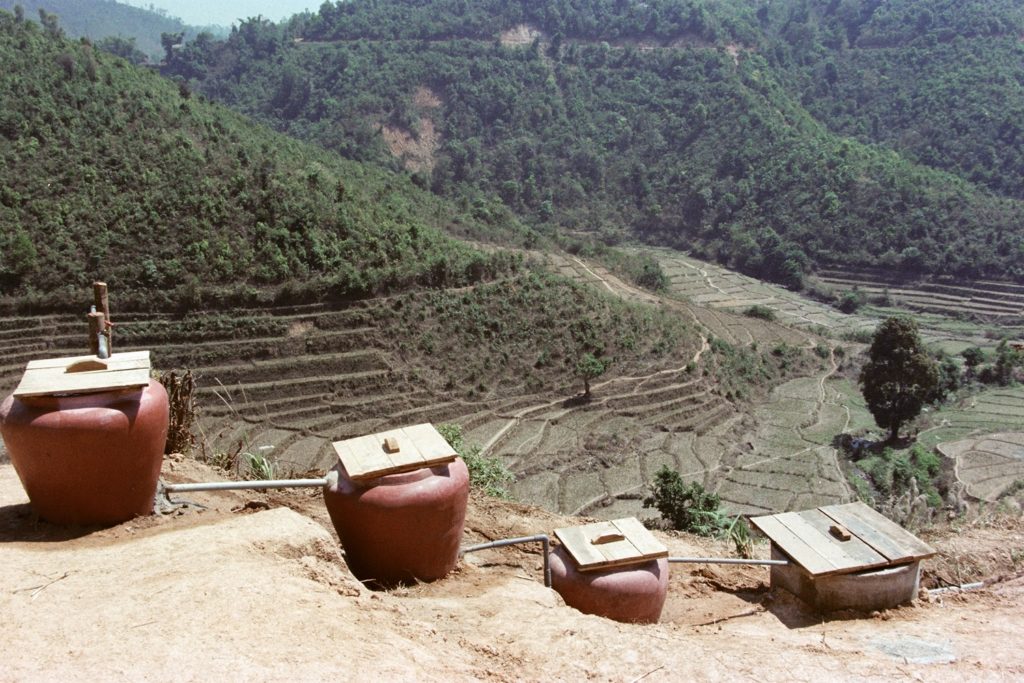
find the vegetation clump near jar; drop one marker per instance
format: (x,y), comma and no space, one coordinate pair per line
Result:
(486,473)
(689,507)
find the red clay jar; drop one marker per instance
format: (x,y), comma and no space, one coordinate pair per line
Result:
(400,528)
(633,593)
(88,458)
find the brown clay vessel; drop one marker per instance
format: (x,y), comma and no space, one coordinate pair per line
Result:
(90,458)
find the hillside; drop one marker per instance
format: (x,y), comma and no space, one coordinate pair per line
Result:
(676,132)
(315,298)
(132,31)
(111,172)
(941,82)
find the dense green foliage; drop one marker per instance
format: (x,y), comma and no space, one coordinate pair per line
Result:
(108,23)
(695,147)
(689,507)
(108,171)
(892,474)
(941,81)
(486,472)
(589,367)
(899,377)
(594,20)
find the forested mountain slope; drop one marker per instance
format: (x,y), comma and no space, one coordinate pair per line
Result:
(940,81)
(667,120)
(106,21)
(111,171)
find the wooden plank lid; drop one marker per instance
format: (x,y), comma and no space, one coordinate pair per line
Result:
(394,451)
(841,539)
(84,374)
(617,543)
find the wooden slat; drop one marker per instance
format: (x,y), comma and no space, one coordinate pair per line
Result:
(615,552)
(799,550)
(822,544)
(127,358)
(48,376)
(851,555)
(878,531)
(429,442)
(575,540)
(642,539)
(420,446)
(637,545)
(360,463)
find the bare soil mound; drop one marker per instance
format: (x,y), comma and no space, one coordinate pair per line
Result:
(249,588)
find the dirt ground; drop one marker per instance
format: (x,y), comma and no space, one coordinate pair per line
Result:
(254,586)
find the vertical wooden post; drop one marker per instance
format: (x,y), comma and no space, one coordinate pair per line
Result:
(99,293)
(96,325)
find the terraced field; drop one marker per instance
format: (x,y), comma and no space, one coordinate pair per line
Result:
(287,381)
(719,290)
(985,298)
(788,462)
(989,466)
(596,458)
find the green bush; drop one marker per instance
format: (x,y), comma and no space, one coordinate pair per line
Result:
(486,473)
(691,508)
(759,311)
(890,473)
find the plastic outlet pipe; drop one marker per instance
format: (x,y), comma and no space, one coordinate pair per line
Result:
(239,485)
(727,560)
(541,538)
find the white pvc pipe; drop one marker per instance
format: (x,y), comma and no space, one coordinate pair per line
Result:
(727,560)
(236,485)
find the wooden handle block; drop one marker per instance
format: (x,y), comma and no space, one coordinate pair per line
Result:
(391,445)
(89,365)
(840,532)
(608,538)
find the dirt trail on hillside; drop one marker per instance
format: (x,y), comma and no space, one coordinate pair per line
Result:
(227,593)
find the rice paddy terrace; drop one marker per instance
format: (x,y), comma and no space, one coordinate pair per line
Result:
(940,307)
(985,298)
(286,381)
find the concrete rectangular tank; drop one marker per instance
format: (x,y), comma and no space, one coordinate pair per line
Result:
(844,557)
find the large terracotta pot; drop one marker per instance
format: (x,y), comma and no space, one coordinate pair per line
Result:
(634,593)
(90,458)
(400,528)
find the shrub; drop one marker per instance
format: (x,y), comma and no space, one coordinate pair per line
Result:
(759,311)
(850,302)
(182,413)
(486,473)
(691,508)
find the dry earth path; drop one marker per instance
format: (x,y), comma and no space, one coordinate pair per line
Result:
(232,594)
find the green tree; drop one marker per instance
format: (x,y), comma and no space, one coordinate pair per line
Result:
(1008,359)
(899,376)
(973,356)
(589,367)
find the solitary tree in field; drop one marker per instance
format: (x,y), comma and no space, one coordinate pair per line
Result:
(589,367)
(900,375)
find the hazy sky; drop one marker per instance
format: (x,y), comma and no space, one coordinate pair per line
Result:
(227,12)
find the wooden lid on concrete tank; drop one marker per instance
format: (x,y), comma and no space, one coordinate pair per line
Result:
(842,539)
(84,374)
(394,451)
(617,543)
